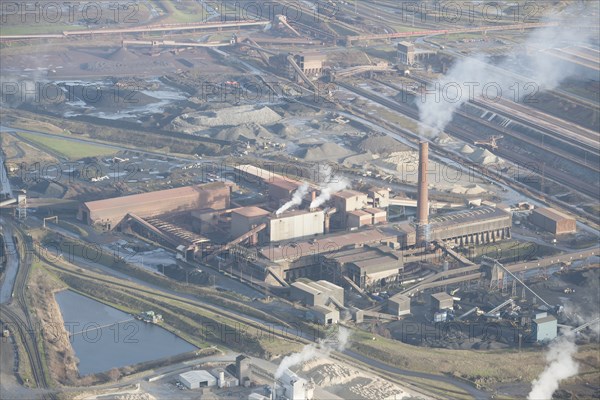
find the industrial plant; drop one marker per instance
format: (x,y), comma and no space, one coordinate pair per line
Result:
(305,200)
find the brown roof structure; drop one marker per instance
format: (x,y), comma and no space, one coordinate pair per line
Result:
(111,211)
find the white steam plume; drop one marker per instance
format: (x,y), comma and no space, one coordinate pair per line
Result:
(333,184)
(473,77)
(296,199)
(310,351)
(560,365)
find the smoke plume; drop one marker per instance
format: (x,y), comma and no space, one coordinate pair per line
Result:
(477,77)
(332,184)
(560,366)
(296,199)
(310,351)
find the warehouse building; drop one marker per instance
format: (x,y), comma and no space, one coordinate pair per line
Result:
(544,327)
(109,212)
(197,379)
(553,221)
(398,305)
(323,315)
(320,293)
(441,301)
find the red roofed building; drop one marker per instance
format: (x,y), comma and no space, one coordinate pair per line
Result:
(110,212)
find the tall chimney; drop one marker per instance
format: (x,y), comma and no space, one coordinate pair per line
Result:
(423,198)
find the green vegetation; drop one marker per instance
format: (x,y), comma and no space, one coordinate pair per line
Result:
(37,28)
(182,12)
(67,148)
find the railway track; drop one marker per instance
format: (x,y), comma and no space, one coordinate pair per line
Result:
(24,326)
(569,145)
(522,161)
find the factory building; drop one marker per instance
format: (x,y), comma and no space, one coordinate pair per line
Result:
(406,53)
(296,224)
(311,64)
(281,190)
(290,386)
(379,197)
(242,367)
(323,315)
(398,305)
(378,216)
(224,378)
(349,200)
(109,212)
(197,379)
(476,226)
(441,301)
(409,55)
(553,221)
(303,258)
(320,293)
(244,219)
(544,327)
(357,218)
(367,266)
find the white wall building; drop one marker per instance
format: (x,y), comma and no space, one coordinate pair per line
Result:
(197,379)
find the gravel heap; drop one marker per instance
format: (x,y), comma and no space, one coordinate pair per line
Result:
(381,144)
(249,131)
(230,116)
(326,151)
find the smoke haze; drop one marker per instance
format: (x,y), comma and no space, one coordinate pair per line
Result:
(331,184)
(468,77)
(560,365)
(310,351)
(296,199)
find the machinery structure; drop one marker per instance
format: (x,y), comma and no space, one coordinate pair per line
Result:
(491,142)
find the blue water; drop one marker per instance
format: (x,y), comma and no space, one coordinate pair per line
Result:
(104,337)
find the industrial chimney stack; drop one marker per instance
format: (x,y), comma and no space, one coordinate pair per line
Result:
(423,198)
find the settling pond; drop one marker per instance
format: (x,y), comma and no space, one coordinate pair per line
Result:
(104,337)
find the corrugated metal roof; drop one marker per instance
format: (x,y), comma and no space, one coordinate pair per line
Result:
(306,288)
(466,217)
(286,184)
(549,318)
(251,211)
(359,213)
(332,243)
(141,198)
(346,194)
(552,214)
(441,296)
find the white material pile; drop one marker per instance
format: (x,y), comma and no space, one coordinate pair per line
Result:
(326,374)
(378,390)
(230,116)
